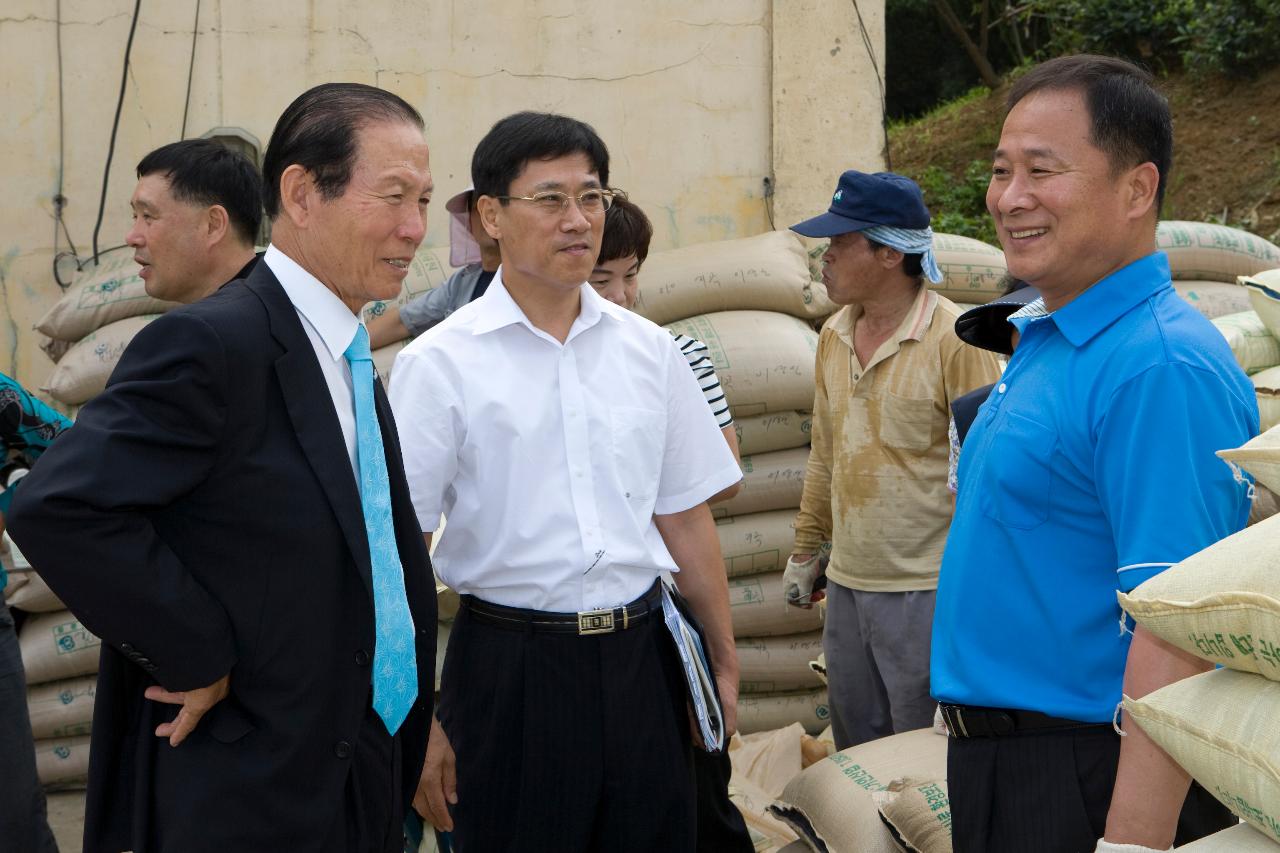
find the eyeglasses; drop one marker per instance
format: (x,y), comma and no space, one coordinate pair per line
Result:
(590,202)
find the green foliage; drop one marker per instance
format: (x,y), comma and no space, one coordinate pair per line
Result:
(1231,36)
(1208,36)
(959,203)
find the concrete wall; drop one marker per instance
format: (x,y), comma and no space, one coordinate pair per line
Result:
(699,101)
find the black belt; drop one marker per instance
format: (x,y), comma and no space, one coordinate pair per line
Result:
(587,622)
(968,721)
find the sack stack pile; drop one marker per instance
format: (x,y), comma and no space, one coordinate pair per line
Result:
(61,661)
(883,796)
(755,305)
(1223,605)
(90,326)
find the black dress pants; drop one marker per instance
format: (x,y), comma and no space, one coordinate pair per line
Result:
(1048,791)
(567,743)
(721,828)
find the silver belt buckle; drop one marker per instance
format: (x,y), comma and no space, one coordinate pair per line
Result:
(595,622)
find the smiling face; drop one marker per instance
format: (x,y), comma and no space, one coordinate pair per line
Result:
(360,244)
(169,238)
(618,280)
(1064,216)
(556,250)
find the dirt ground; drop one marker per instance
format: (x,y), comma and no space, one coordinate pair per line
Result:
(1226,147)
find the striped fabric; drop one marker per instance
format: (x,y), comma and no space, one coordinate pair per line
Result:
(700,363)
(909,241)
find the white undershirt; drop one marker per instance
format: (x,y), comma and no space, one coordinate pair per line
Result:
(331,327)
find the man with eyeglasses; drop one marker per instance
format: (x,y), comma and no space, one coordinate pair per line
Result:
(572,452)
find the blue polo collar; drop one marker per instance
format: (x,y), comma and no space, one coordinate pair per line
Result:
(1084,317)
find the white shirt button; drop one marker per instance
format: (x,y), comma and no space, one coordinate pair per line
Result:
(1002,388)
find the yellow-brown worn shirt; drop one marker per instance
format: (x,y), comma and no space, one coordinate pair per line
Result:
(876,483)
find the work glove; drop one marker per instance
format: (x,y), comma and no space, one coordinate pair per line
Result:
(1105,846)
(798,579)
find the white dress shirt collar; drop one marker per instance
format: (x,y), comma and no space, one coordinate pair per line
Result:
(496,310)
(327,314)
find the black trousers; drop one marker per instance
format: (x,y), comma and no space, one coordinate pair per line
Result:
(721,828)
(567,743)
(1048,792)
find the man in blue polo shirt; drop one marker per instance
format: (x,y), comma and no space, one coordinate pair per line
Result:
(1090,469)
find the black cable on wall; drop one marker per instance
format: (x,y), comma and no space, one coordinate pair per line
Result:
(115,127)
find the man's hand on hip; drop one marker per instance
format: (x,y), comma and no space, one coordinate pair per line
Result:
(438,785)
(195,704)
(798,579)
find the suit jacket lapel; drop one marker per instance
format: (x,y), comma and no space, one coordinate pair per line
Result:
(306,396)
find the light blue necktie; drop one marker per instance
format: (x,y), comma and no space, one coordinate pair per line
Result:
(395,670)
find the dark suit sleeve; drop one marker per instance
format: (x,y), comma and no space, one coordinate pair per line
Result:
(83,515)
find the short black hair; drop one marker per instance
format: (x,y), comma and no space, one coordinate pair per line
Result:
(515,140)
(627,232)
(206,172)
(912,265)
(319,131)
(1129,120)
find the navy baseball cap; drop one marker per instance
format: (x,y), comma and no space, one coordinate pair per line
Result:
(863,201)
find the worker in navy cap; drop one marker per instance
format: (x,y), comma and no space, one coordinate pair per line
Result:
(889,365)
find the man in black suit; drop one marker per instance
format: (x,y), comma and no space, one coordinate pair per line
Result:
(219,517)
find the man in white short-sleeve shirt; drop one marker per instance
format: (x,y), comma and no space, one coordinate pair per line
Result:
(572,453)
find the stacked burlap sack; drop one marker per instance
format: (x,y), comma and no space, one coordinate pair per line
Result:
(89,327)
(61,661)
(884,796)
(755,304)
(1223,605)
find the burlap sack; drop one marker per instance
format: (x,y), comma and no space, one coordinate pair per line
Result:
(55,646)
(101,294)
(1220,726)
(1253,346)
(1222,603)
(54,349)
(83,372)
(62,708)
(1260,456)
(763,712)
(777,431)
(768,272)
(919,812)
(1200,251)
(770,481)
(62,761)
(430,269)
(27,591)
(1237,839)
(1214,298)
(1266,384)
(765,360)
(763,763)
(756,543)
(778,664)
(830,803)
(759,610)
(972,271)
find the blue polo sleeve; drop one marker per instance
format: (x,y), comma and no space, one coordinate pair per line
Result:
(1164,491)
